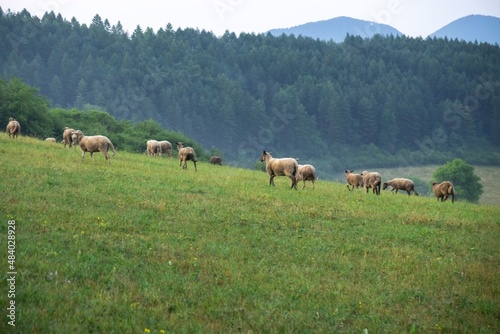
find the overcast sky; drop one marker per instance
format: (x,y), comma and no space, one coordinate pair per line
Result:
(411,17)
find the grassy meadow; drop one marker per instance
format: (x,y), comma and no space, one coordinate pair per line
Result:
(141,246)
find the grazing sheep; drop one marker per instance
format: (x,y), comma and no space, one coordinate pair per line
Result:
(185,154)
(50,140)
(94,144)
(401,184)
(443,190)
(215,160)
(153,148)
(280,167)
(166,147)
(306,173)
(67,137)
(13,128)
(354,180)
(372,180)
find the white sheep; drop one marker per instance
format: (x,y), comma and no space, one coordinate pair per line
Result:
(50,140)
(185,154)
(306,173)
(94,144)
(352,179)
(372,180)
(13,128)
(400,183)
(68,137)
(280,167)
(443,190)
(153,148)
(166,147)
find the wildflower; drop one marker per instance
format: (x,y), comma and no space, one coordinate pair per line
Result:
(147,330)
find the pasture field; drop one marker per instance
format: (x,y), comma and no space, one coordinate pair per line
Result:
(490,179)
(141,246)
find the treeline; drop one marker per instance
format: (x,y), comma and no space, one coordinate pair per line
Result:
(31,109)
(392,100)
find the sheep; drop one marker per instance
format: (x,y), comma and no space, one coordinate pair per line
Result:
(372,180)
(443,190)
(94,144)
(185,154)
(50,140)
(166,146)
(354,180)
(306,173)
(67,137)
(400,184)
(13,128)
(280,167)
(215,160)
(153,148)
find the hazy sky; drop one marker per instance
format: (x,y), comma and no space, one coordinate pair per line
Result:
(411,17)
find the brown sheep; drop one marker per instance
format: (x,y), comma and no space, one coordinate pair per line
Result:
(400,184)
(185,154)
(13,128)
(306,173)
(280,167)
(94,144)
(153,148)
(372,180)
(443,190)
(215,160)
(166,147)
(354,180)
(50,140)
(68,137)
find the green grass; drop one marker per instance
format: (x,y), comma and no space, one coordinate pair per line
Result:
(140,245)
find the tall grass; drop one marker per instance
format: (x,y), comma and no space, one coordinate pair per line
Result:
(141,246)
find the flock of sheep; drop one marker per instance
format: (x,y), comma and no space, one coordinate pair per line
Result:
(275,167)
(369,180)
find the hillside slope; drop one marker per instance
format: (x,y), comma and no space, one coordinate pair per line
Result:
(140,245)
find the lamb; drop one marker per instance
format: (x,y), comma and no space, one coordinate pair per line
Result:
(153,148)
(280,167)
(166,146)
(215,160)
(50,140)
(306,173)
(354,180)
(372,180)
(94,144)
(185,154)
(401,184)
(443,190)
(13,128)
(67,137)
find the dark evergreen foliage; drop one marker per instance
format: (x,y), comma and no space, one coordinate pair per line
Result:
(434,98)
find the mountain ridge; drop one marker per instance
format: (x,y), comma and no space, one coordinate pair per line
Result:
(337,28)
(470,28)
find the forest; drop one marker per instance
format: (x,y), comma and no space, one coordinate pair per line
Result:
(363,102)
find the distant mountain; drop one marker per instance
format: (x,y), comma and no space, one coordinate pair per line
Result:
(480,28)
(336,29)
